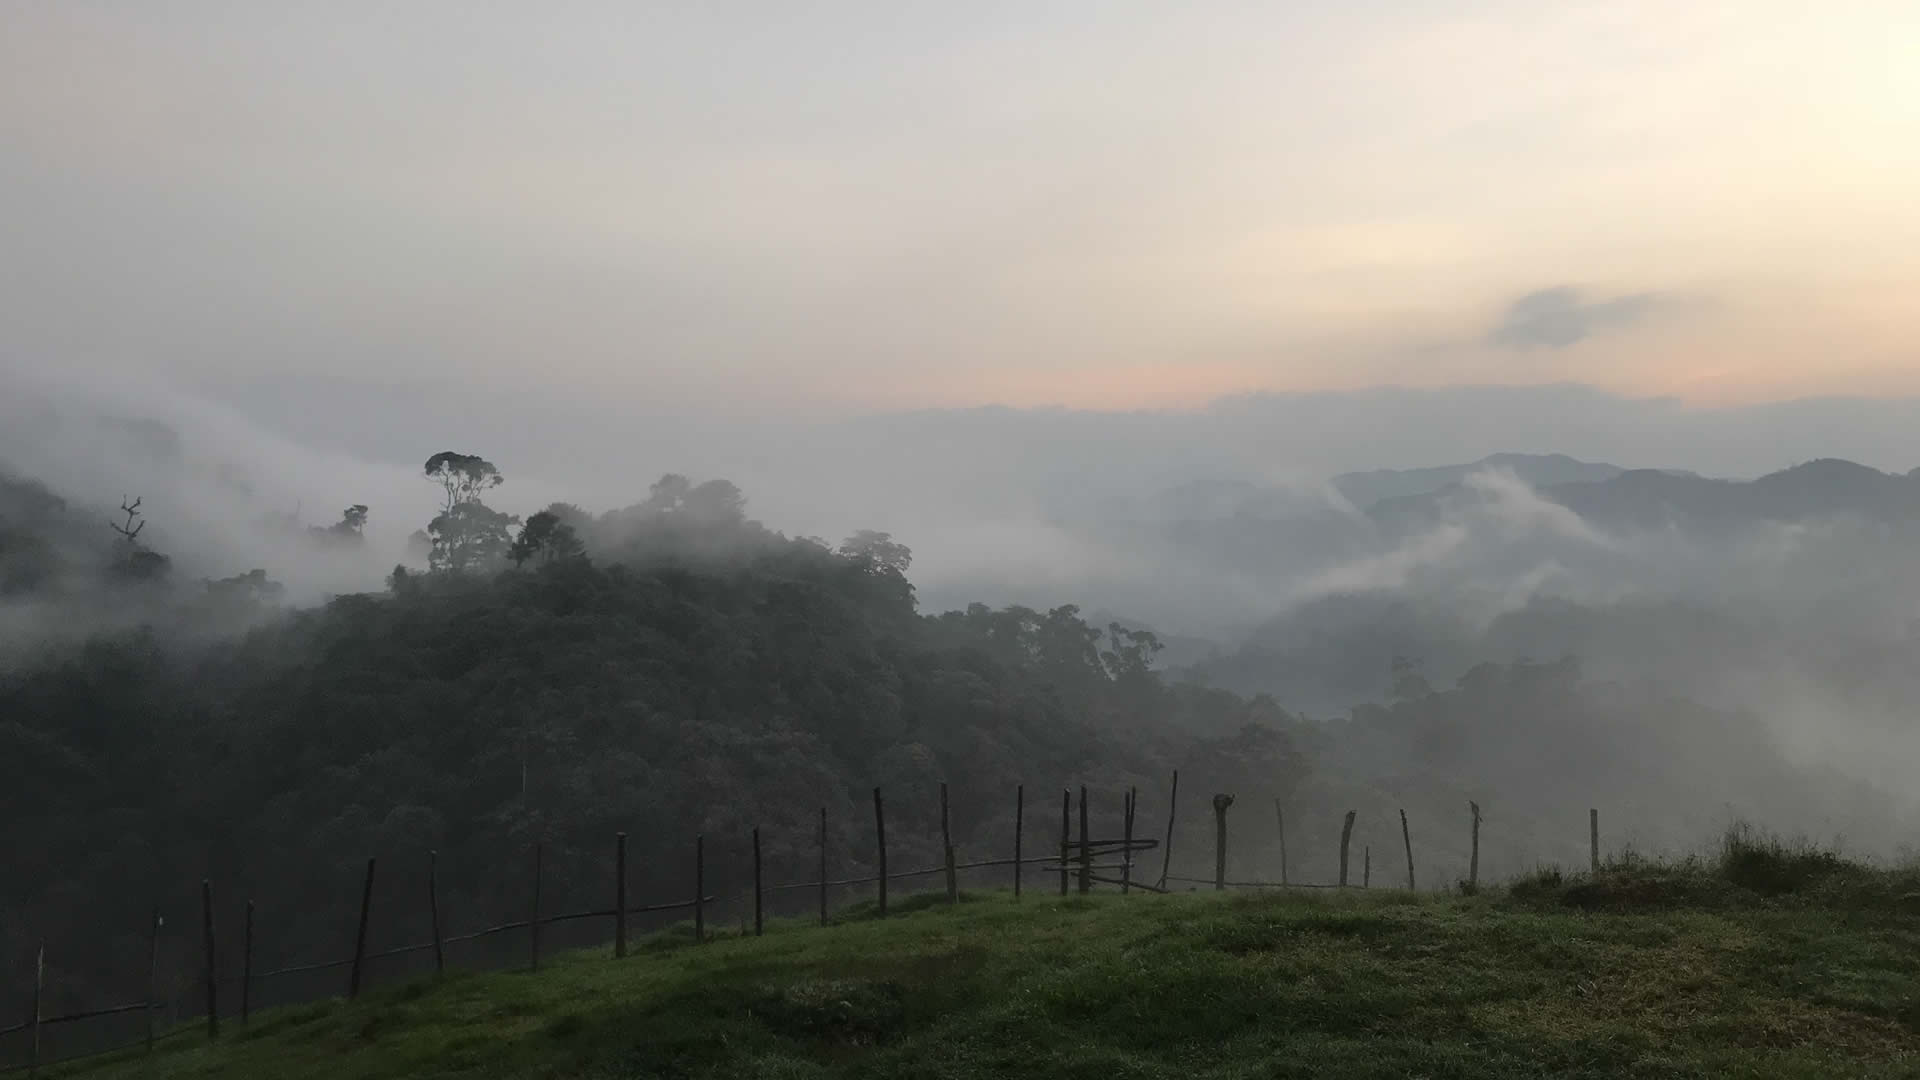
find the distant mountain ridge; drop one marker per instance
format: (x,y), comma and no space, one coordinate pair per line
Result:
(1364,489)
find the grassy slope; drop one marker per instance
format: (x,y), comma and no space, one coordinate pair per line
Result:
(1359,984)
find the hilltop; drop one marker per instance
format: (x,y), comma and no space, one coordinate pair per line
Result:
(1648,974)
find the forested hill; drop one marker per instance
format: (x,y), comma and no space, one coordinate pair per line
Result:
(676,669)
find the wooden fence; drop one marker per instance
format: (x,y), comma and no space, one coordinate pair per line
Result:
(1080,863)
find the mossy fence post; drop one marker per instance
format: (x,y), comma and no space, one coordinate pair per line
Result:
(880,839)
(1126,844)
(1066,835)
(1346,838)
(1593,840)
(1407,837)
(211,974)
(946,849)
(1366,866)
(1220,805)
(1173,807)
(1019,827)
(1280,818)
(1473,863)
(700,886)
(433,913)
(246,968)
(1086,846)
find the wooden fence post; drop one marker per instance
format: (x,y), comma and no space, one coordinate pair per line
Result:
(1173,807)
(1593,839)
(1126,846)
(880,838)
(1280,818)
(213,982)
(1220,804)
(823,866)
(1086,846)
(1019,823)
(246,968)
(1473,862)
(39,980)
(533,911)
(360,936)
(1066,835)
(433,912)
(1346,836)
(1366,866)
(699,889)
(1408,838)
(619,894)
(153,972)
(946,849)
(759,894)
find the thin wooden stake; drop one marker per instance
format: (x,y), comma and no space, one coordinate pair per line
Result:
(1366,866)
(1173,807)
(212,972)
(880,839)
(1126,849)
(699,888)
(246,968)
(1086,847)
(360,936)
(759,894)
(533,911)
(1066,835)
(1280,815)
(1346,837)
(1220,804)
(1408,837)
(39,980)
(619,895)
(823,866)
(1019,826)
(1473,863)
(153,972)
(433,912)
(1593,838)
(946,849)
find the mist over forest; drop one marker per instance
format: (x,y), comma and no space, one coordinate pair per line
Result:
(294,651)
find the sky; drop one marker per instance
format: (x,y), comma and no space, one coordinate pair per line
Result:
(839,207)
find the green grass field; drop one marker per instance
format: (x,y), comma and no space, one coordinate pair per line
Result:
(1664,972)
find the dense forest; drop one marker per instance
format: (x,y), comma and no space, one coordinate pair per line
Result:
(674,669)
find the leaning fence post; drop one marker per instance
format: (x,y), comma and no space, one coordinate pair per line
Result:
(1593,838)
(1473,863)
(1408,838)
(1173,807)
(823,866)
(153,972)
(619,894)
(880,839)
(759,894)
(1220,804)
(1346,837)
(39,979)
(246,968)
(1019,822)
(533,913)
(1126,845)
(699,888)
(1280,816)
(433,912)
(946,849)
(1086,846)
(360,936)
(213,983)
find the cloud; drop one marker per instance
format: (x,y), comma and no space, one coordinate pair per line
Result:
(1557,317)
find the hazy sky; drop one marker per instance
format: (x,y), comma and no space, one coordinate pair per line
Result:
(846,206)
